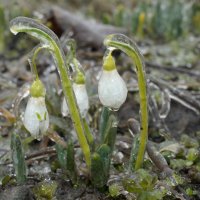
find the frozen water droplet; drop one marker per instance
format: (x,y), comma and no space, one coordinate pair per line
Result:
(113,109)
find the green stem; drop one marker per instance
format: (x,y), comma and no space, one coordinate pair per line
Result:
(123,43)
(71,58)
(50,40)
(71,46)
(34,68)
(33,60)
(88,133)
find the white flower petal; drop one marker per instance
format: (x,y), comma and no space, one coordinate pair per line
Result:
(81,98)
(64,108)
(36,118)
(112,89)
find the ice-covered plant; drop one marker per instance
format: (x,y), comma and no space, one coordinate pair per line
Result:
(50,41)
(79,86)
(112,94)
(119,41)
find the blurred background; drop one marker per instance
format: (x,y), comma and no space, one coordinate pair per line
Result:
(167,33)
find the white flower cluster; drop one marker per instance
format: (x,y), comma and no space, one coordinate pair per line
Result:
(112,92)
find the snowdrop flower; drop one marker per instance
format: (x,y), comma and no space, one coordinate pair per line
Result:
(81,97)
(112,89)
(36,118)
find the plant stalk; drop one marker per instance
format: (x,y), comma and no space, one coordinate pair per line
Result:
(123,43)
(51,41)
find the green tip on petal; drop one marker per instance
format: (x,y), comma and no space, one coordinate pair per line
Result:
(37,89)
(109,63)
(79,78)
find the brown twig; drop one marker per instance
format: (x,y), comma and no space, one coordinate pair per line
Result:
(173,69)
(182,97)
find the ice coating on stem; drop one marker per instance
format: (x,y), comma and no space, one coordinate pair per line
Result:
(126,45)
(47,37)
(25,24)
(32,27)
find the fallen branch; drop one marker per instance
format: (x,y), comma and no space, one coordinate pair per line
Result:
(86,32)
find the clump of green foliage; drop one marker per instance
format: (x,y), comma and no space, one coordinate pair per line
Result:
(165,20)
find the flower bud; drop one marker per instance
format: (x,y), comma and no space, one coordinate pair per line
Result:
(36,118)
(81,98)
(111,88)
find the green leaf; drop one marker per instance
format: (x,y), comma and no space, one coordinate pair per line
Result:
(71,165)
(62,154)
(108,128)
(103,122)
(18,158)
(67,160)
(105,153)
(134,152)
(88,134)
(97,174)
(140,181)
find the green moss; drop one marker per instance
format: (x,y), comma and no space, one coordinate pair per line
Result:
(192,154)
(114,190)
(45,190)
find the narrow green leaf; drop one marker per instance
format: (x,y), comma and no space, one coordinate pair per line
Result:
(134,153)
(105,153)
(88,134)
(18,158)
(103,122)
(110,131)
(2,29)
(97,174)
(71,165)
(67,160)
(62,154)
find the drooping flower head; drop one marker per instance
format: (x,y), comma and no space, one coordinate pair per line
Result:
(80,94)
(36,118)
(112,89)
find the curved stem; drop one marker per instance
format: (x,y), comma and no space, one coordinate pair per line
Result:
(71,46)
(71,56)
(33,60)
(123,43)
(50,40)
